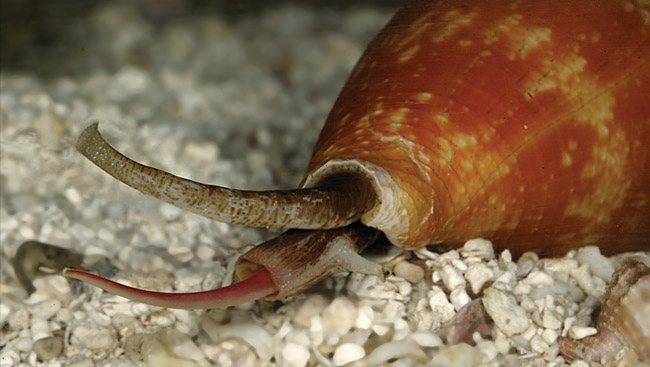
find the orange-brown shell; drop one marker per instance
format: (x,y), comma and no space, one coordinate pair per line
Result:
(525,122)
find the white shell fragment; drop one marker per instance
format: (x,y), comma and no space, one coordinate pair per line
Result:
(599,265)
(410,272)
(236,102)
(479,248)
(579,332)
(509,317)
(346,353)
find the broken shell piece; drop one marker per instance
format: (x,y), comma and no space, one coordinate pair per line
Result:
(469,319)
(623,325)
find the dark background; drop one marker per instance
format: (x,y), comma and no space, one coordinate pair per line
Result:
(32,31)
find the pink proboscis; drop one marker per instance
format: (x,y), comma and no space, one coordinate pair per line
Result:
(252,288)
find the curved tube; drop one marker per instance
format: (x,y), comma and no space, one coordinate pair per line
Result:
(337,204)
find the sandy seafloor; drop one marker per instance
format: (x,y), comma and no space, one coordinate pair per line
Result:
(236,103)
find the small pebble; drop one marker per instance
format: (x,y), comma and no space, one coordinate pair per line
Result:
(48,348)
(396,349)
(340,315)
(201,151)
(404,288)
(410,272)
(381,329)
(477,275)
(45,309)
(479,248)
(163,318)
(505,260)
(5,311)
(49,127)
(529,333)
(9,358)
(501,341)
(599,265)
(93,337)
(563,265)
(40,328)
(457,355)
(539,278)
(83,363)
(346,353)
(20,319)
(460,265)
(538,345)
(504,310)
(550,336)
(426,339)
(526,263)
(588,284)
(451,277)
(488,349)
(505,281)
(579,332)
(205,252)
(365,316)
(295,355)
(402,329)
(313,305)
(63,317)
(156,353)
(316,331)
(24,344)
(251,333)
(124,324)
(449,256)
(551,319)
(443,310)
(459,298)
(184,347)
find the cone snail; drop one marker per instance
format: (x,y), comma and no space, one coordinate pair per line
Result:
(523,122)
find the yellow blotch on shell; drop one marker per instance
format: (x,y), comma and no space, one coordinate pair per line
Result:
(423,97)
(454,20)
(408,54)
(567,161)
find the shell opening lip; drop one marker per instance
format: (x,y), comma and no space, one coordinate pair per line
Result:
(257,286)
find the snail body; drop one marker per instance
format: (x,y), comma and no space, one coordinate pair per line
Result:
(525,123)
